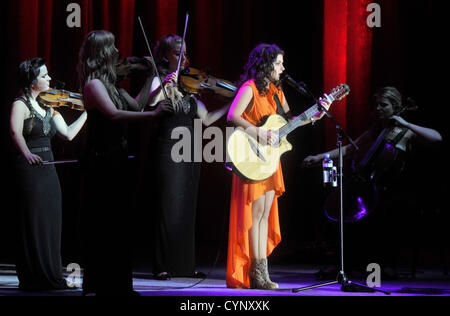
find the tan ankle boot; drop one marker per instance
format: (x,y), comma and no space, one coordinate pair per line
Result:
(265,273)
(257,280)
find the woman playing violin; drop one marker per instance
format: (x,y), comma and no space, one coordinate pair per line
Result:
(32,126)
(174,253)
(106,218)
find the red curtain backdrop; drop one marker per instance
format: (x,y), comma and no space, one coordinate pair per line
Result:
(220,36)
(38,28)
(347,59)
(359,66)
(34,19)
(166,21)
(209,15)
(335,57)
(326,42)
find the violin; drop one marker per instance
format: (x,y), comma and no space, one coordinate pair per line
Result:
(195,81)
(132,65)
(59,98)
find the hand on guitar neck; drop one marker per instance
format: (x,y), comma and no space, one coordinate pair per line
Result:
(326,103)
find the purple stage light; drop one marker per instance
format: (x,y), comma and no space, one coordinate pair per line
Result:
(362,209)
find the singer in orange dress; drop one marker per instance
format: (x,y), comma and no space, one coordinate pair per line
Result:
(254,229)
(244,193)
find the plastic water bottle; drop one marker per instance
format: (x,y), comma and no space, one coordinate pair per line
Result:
(327,166)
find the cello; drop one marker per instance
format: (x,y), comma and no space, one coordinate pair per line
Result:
(373,168)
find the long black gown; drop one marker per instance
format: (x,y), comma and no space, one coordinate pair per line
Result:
(177,185)
(106,216)
(38,255)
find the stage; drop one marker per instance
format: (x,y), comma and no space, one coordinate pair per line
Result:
(326,43)
(427,282)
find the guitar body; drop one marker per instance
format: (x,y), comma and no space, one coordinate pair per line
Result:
(252,160)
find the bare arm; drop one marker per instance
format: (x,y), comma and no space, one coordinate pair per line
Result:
(143,98)
(69,132)
(209,118)
(156,93)
(314,160)
(242,102)
(18,115)
(425,134)
(96,96)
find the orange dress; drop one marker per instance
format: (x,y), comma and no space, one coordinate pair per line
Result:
(244,193)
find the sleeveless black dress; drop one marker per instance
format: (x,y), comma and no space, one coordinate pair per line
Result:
(106,228)
(38,260)
(177,184)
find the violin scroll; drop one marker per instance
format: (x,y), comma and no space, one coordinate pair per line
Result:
(133,65)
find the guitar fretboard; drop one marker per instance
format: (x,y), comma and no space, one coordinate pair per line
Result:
(289,127)
(337,94)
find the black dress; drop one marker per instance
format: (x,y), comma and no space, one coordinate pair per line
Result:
(38,260)
(177,184)
(107,259)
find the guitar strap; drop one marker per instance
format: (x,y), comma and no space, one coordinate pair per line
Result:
(280,107)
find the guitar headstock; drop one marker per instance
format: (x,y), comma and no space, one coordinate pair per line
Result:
(340,92)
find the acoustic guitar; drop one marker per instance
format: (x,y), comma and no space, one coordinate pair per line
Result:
(254,161)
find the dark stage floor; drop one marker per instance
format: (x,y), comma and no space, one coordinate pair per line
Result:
(427,282)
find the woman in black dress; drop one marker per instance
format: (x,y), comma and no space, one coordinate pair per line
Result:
(174,248)
(383,163)
(32,126)
(106,216)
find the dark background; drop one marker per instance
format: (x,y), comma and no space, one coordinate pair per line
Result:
(406,52)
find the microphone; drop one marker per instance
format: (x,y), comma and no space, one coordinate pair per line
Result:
(296,85)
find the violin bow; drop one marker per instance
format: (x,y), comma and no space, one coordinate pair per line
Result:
(68,161)
(182,42)
(152,60)
(59,162)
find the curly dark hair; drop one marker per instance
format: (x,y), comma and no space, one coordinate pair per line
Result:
(259,66)
(97,60)
(28,73)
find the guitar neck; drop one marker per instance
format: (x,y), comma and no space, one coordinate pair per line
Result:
(338,94)
(305,116)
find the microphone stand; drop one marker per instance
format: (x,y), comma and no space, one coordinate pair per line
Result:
(346,284)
